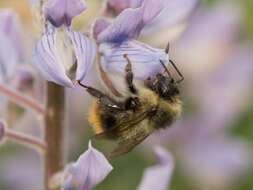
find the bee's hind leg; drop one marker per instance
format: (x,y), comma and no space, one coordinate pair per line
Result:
(129,76)
(103,98)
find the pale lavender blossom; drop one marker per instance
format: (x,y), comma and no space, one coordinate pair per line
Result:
(61,12)
(158,176)
(10,26)
(118,38)
(11,49)
(90,169)
(64,56)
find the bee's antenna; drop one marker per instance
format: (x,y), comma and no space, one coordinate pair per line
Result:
(167,49)
(178,72)
(166,69)
(82,85)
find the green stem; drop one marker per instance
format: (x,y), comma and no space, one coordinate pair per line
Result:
(54,129)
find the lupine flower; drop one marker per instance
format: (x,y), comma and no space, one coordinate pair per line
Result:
(159,176)
(64,56)
(118,38)
(90,169)
(167,25)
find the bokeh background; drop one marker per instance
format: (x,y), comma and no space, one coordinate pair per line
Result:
(212,142)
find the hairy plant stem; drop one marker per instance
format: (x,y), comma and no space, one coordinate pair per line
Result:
(54,129)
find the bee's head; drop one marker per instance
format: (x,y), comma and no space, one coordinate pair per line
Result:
(164,86)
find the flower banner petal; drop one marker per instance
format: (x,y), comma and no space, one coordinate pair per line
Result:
(145,59)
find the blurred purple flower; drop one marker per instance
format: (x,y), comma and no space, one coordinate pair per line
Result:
(214,161)
(90,169)
(212,33)
(61,12)
(11,49)
(10,26)
(158,177)
(118,38)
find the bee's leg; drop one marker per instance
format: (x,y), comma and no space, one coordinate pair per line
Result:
(103,98)
(129,76)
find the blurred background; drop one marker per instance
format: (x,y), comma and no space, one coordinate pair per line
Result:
(212,142)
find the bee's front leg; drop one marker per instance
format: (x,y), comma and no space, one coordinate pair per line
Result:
(129,76)
(103,98)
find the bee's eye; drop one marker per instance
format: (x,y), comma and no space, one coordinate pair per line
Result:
(132,103)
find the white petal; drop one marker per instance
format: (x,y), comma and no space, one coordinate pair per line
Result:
(85,52)
(46,58)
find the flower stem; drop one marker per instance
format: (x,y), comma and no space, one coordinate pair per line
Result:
(25,139)
(21,99)
(54,129)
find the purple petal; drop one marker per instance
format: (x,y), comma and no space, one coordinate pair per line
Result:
(61,12)
(215,161)
(145,59)
(85,52)
(158,177)
(10,26)
(130,22)
(49,62)
(99,25)
(8,58)
(117,6)
(90,169)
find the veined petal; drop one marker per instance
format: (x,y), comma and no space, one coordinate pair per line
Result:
(46,58)
(85,52)
(145,59)
(60,12)
(158,177)
(90,169)
(130,22)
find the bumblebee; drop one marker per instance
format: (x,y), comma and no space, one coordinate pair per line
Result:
(131,120)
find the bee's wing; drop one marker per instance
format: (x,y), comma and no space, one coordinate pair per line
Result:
(126,145)
(126,123)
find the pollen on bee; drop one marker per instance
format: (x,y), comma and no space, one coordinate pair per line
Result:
(95,118)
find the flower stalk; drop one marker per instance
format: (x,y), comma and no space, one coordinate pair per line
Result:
(21,99)
(54,129)
(26,140)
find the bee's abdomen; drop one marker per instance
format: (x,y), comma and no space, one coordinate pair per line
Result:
(162,119)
